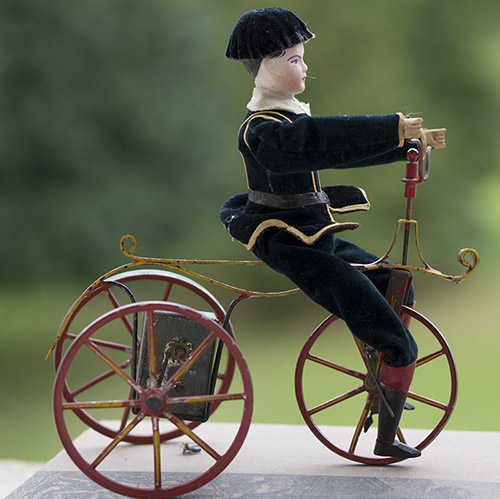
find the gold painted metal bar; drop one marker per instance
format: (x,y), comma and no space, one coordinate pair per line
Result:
(100,404)
(98,379)
(119,438)
(196,399)
(189,433)
(336,400)
(152,382)
(361,423)
(113,366)
(116,304)
(429,358)
(428,401)
(400,435)
(336,367)
(426,269)
(156,451)
(175,264)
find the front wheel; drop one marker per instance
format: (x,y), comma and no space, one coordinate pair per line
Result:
(334,388)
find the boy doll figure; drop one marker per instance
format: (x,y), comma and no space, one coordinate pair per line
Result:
(286,218)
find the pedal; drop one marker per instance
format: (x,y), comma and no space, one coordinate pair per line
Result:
(373,411)
(368,423)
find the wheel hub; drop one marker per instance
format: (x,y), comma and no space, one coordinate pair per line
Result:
(154,402)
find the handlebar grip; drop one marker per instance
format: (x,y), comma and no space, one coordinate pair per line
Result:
(423,171)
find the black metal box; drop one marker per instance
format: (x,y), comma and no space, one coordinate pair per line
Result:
(176,338)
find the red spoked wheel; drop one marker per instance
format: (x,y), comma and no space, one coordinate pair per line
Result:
(158,470)
(334,387)
(109,294)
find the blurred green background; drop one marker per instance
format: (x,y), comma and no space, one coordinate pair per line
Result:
(121,117)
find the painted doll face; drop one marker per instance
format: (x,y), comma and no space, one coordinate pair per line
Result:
(285,74)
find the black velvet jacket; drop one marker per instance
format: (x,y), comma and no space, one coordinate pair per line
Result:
(283,153)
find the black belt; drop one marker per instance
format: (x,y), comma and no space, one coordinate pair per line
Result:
(287,201)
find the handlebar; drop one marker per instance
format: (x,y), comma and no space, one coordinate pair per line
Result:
(417,172)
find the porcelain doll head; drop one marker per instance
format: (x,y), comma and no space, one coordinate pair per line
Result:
(266,34)
(284,73)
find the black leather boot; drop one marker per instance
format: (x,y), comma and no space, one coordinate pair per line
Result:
(386,444)
(395,384)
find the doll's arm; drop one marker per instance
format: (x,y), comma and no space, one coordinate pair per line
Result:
(434,138)
(315,143)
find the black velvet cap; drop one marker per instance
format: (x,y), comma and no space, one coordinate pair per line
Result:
(261,32)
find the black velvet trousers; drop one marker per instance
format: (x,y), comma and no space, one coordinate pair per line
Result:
(324,274)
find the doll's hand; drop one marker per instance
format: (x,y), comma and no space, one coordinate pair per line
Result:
(436,138)
(412,127)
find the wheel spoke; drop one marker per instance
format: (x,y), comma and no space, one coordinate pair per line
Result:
(115,367)
(108,344)
(189,362)
(336,400)
(100,404)
(114,302)
(361,422)
(195,438)
(429,358)
(336,367)
(98,379)
(126,414)
(401,437)
(361,350)
(197,399)
(120,347)
(119,437)
(152,382)
(70,336)
(168,289)
(156,451)
(428,401)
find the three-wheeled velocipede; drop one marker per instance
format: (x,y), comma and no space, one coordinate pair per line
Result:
(147,356)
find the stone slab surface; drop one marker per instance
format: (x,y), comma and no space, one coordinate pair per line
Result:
(288,461)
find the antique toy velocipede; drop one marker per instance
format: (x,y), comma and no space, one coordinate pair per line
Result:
(153,372)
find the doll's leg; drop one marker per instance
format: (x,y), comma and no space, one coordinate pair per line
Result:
(395,384)
(380,277)
(395,381)
(342,290)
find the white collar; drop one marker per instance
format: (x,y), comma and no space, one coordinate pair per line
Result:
(265,100)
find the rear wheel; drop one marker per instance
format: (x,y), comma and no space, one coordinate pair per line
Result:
(111,294)
(149,409)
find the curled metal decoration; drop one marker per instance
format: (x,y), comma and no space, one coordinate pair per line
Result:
(167,261)
(175,263)
(380,263)
(474,255)
(426,269)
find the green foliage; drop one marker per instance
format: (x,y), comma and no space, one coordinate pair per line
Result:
(120,117)
(107,127)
